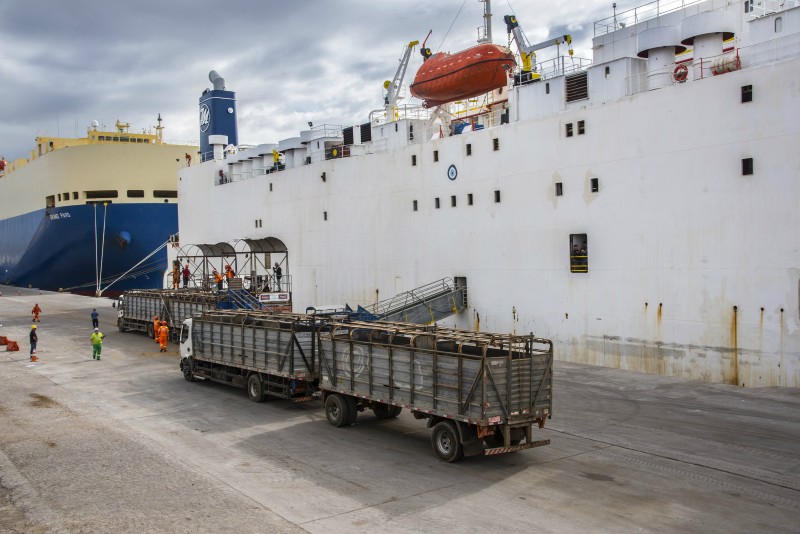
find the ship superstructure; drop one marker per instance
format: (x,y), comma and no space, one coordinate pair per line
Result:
(641,209)
(83,214)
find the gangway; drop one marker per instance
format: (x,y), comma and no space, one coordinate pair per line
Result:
(423,305)
(239,298)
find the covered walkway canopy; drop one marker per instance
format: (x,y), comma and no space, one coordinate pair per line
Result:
(251,259)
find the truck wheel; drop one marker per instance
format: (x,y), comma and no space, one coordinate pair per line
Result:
(445,442)
(188,369)
(255,389)
(150,332)
(119,325)
(337,410)
(386,411)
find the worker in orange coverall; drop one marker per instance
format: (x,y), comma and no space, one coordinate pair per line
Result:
(163,334)
(156,326)
(36,311)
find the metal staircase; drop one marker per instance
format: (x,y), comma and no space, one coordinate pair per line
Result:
(241,299)
(423,305)
(238,298)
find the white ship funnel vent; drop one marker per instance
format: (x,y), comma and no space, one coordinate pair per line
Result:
(217,80)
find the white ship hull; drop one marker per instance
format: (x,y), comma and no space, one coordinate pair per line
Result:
(693,267)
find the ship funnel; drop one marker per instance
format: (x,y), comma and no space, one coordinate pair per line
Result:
(217,116)
(217,80)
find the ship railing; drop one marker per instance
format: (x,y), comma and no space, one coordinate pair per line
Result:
(639,14)
(473,119)
(770,51)
(697,69)
(380,116)
(325,131)
(561,66)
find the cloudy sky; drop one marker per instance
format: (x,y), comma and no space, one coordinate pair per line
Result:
(64,63)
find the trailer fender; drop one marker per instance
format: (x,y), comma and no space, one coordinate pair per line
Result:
(467,433)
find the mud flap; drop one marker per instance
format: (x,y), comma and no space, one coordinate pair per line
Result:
(473,445)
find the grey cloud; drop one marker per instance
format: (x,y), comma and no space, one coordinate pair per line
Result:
(64,62)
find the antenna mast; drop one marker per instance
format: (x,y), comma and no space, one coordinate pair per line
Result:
(485,36)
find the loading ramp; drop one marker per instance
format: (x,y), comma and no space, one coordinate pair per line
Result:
(424,305)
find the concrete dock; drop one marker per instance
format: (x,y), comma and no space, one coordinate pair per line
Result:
(125,444)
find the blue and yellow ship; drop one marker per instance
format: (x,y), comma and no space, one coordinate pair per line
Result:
(91,214)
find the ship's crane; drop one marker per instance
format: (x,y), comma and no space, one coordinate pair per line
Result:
(527,51)
(393,87)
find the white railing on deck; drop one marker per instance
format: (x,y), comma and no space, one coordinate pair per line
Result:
(640,14)
(562,65)
(378,116)
(701,68)
(325,130)
(475,121)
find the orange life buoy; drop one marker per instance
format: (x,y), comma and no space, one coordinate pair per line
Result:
(680,73)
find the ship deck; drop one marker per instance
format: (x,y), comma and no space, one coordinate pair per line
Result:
(126,444)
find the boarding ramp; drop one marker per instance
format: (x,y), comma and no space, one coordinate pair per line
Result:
(239,298)
(423,305)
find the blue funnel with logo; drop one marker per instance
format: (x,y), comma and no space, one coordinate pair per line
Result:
(217,115)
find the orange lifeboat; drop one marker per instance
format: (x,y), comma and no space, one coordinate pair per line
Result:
(447,77)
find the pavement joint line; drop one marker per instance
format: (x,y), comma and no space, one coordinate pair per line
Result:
(685,462)
(25,496)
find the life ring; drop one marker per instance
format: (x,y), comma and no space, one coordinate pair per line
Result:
(680,73)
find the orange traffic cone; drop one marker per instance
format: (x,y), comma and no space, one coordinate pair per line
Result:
(34,358)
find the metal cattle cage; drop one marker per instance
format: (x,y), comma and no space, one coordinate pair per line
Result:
(270,354)
(496,386)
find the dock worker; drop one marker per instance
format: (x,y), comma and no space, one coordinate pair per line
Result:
(186,274)
(217,279)
(229,273)
(36,311)
(95,318)
(163,334)
(277,271)
(176,275)
(34,338)
(156,324)
(97,343)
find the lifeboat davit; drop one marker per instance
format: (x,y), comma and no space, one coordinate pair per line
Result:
(448,77)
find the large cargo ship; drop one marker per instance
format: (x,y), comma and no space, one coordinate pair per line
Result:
(641,209)
(87,214)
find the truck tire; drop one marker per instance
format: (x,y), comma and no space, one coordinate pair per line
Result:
(255,388)
(337,410)
(188,369)
(386,411)
(119,325)
(446,443)
(150,332)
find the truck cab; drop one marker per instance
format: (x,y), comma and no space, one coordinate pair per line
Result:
(185,351)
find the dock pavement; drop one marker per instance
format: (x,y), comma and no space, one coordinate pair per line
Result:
(126,445)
